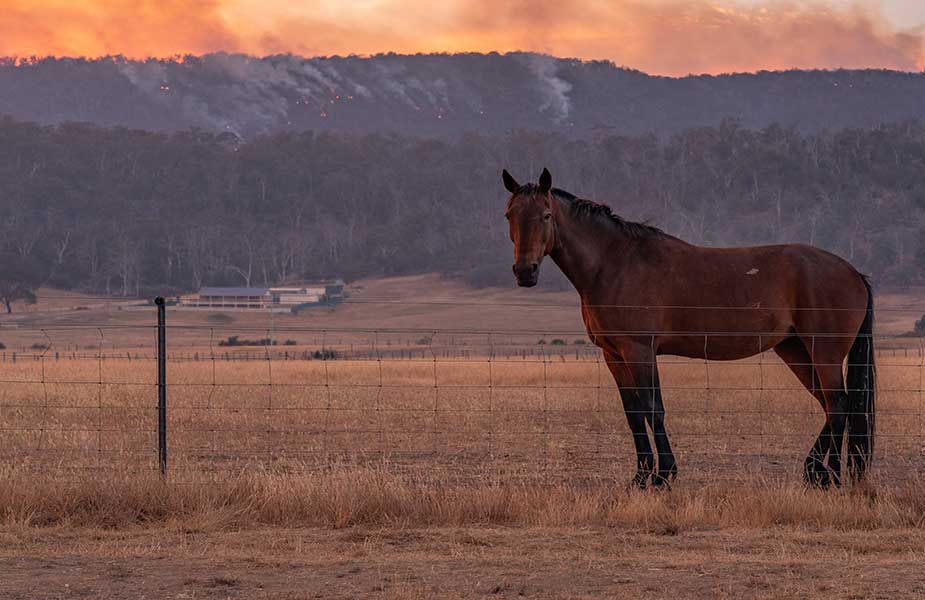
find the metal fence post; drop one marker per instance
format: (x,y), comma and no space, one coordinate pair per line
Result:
(161,385)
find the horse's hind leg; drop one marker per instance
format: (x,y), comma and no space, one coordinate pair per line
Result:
(828,367)
(823,378)
(795,355)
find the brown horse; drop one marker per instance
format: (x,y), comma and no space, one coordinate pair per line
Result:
(646,293)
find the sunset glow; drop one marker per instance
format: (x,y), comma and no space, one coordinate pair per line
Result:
(671,37)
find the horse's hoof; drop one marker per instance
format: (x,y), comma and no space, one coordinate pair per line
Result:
(639,481)
(817,479)
(661,482)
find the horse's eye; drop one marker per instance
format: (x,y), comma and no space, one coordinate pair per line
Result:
(547,216)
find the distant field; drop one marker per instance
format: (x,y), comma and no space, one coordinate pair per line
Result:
(419,303)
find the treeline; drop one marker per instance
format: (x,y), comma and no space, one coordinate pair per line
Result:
(129,212)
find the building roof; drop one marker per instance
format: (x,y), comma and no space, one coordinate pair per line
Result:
(308,284)
(232,291)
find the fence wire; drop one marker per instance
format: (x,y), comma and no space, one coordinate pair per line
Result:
(457,404)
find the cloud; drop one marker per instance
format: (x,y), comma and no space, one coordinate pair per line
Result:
(670,37)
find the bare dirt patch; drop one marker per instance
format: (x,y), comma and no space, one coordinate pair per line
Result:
(487,562)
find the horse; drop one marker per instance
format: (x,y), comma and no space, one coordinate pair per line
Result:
(645,293)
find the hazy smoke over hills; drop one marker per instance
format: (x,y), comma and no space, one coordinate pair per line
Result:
(439,95)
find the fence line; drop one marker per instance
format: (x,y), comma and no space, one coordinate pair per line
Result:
(531,303)
(524,355)
(464,403)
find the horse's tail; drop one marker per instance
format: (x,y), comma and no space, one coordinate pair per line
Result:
(861,383)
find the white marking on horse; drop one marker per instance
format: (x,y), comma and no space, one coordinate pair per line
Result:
(752,272)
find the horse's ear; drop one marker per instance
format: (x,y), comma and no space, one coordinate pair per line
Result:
(509,182)
(545,181)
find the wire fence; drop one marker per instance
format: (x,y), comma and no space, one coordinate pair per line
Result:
(458,404)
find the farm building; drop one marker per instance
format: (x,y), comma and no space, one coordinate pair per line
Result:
(282,298)
(334,291)
(228,297)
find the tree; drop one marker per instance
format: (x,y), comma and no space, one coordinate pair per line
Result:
(20,277)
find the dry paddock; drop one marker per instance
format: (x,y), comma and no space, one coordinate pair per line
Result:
(471,420)
(440,478)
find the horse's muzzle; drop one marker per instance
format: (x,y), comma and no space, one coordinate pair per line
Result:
(526,274)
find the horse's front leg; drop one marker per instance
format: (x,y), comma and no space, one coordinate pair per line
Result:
(667,467)
(635,418)
(637,380)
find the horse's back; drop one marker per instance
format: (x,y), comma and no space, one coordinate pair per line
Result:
(729,303)
(795,277)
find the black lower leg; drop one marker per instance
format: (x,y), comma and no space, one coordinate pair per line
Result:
(667,468)
(645,461)
(650,400)
(635,418)
(814,471)
(838,416)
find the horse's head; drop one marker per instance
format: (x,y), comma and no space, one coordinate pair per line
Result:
(529,213)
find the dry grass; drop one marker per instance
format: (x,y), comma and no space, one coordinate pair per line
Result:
(400,443)
(430,442)
(469,420)
(454,478)
(365,497)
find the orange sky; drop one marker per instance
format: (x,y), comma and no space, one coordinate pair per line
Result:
(672,37)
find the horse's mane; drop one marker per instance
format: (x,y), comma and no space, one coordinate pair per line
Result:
(581,208)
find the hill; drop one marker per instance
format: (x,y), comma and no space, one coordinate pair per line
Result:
(439,95)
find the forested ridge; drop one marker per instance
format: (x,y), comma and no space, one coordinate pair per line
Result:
(440,95)
(130,212)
